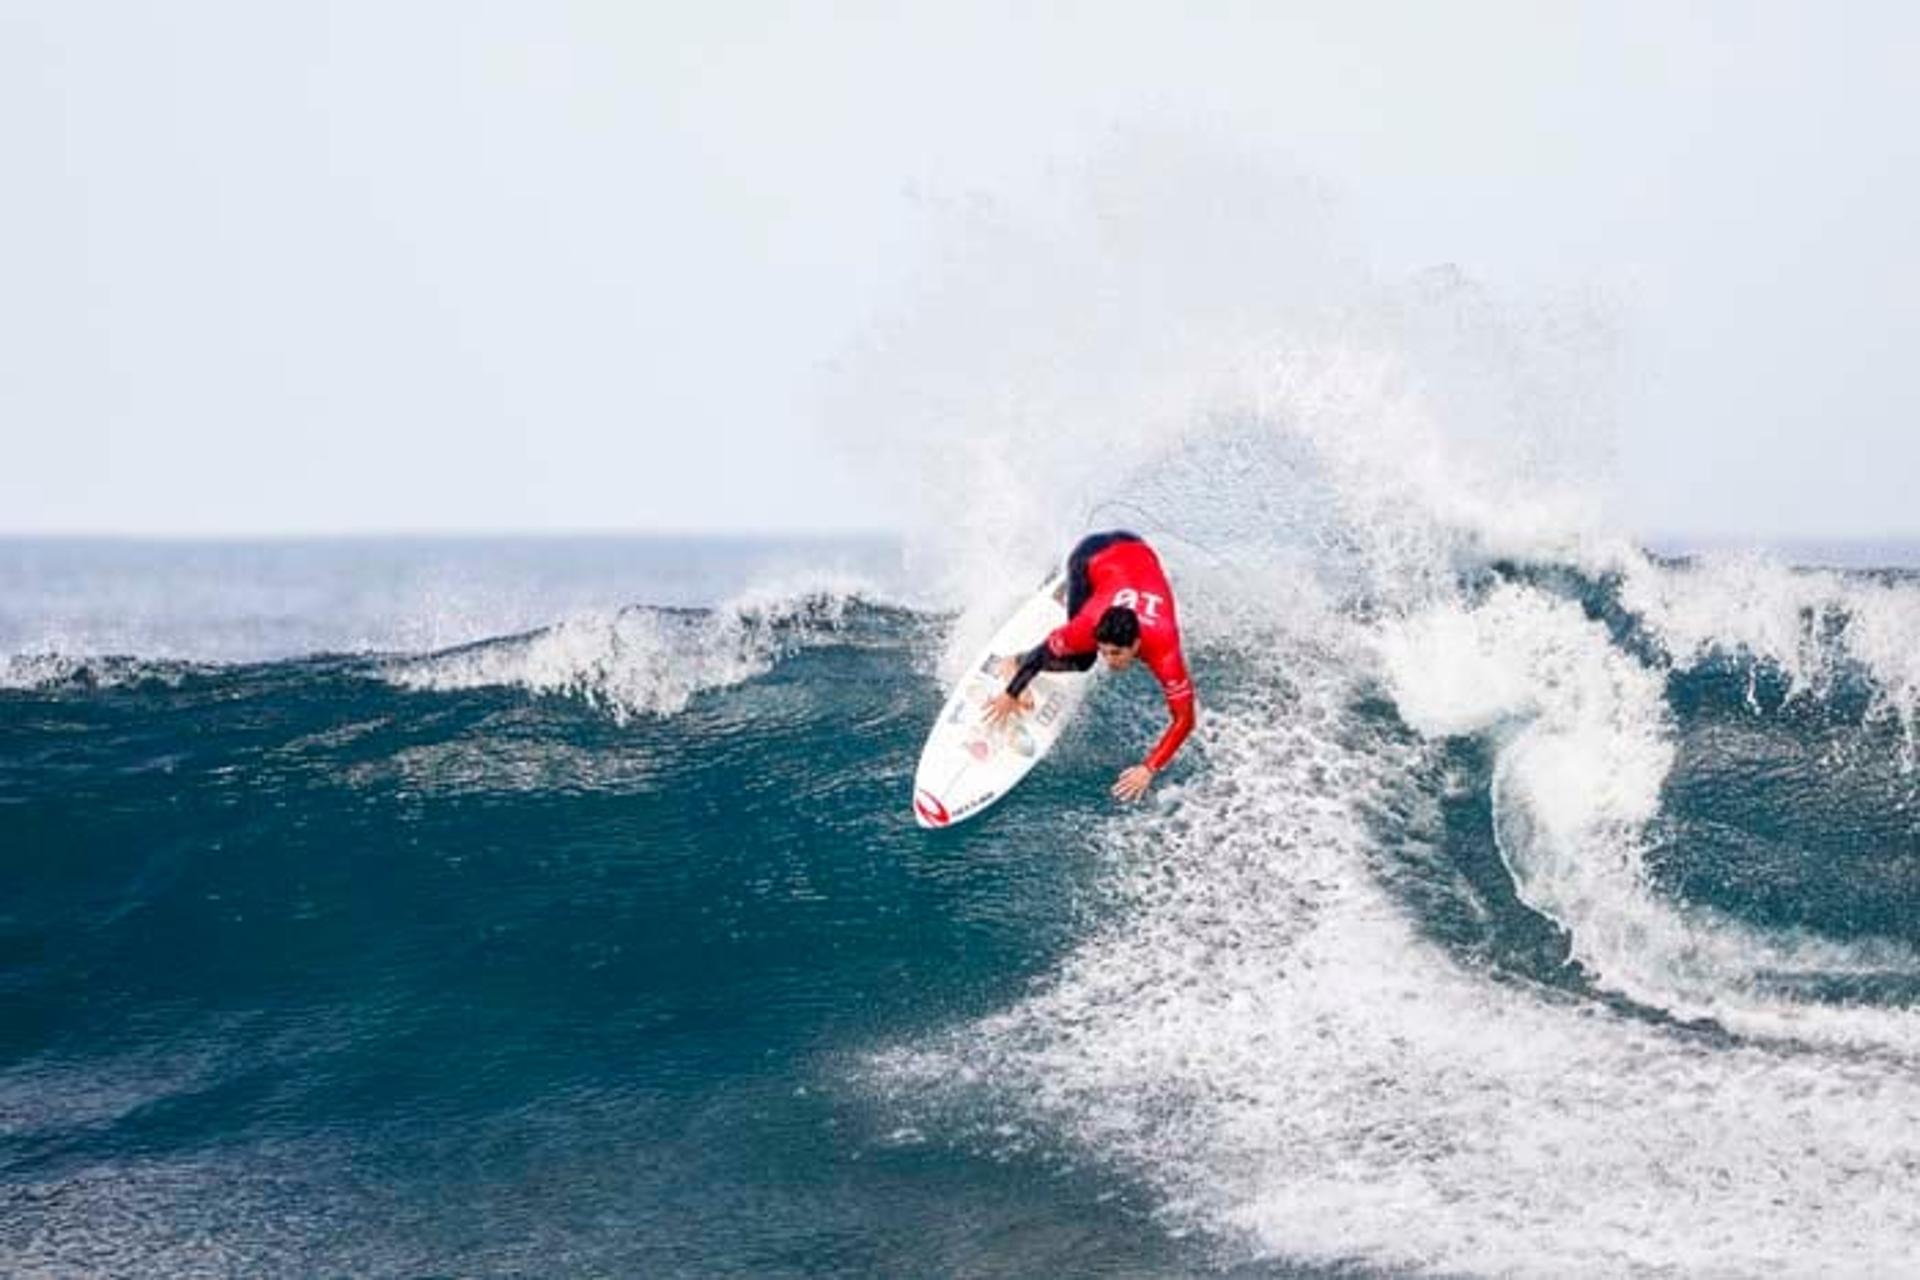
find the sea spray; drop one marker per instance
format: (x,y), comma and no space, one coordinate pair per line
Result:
(1381,503)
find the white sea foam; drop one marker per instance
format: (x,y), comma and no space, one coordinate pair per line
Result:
(1810,626)
(38,670)
(644,661)
(53,668)
(1261,1035)
(1584,744)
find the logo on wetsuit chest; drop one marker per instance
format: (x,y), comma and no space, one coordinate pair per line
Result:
(1144,603)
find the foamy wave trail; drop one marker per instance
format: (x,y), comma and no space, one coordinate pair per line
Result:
(1308,1026)
(645,661)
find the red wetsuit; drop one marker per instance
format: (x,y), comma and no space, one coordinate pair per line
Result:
(1128,573)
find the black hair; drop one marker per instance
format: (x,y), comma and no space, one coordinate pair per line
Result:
(1118,625)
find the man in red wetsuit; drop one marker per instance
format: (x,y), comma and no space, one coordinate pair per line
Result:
(1119,608)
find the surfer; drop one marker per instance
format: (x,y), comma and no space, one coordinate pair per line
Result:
(1119,609)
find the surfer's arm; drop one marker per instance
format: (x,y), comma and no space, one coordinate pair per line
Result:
(1068,647)
(1133,783)
(1182,711)
(1035,660)
(1170,668)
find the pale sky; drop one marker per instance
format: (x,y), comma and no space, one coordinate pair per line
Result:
(315,267)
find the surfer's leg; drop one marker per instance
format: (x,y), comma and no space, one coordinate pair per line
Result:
(1079,587)
(1079,583)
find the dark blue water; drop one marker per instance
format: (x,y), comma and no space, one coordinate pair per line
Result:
(312,968)
(306,972)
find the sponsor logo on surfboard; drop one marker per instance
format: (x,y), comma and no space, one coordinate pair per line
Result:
(978,802)
(929,809)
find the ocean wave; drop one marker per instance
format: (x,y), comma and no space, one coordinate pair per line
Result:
(45,671)
(1261,1033)
(1585,743)
(644,661)
(1813,627)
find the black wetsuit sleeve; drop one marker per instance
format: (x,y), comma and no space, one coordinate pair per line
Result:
(1032,663)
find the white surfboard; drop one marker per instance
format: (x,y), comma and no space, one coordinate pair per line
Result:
(965,766)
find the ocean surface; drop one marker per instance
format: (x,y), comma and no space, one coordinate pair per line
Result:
(513,907)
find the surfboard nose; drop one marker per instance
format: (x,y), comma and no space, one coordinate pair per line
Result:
(927,809)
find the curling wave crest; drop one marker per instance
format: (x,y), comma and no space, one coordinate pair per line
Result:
(54,670)
(644,661)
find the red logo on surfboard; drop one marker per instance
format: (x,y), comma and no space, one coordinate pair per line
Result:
(928,807)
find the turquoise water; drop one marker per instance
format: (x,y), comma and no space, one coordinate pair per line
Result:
(603,942)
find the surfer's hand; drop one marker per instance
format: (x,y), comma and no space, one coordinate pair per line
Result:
(1133,783)
(1003,706)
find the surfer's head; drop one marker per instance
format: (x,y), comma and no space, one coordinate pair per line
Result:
(1118,635)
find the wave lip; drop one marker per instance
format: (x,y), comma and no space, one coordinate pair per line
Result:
(1585,743)
(642,661)
(39,672)
(1813,627)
